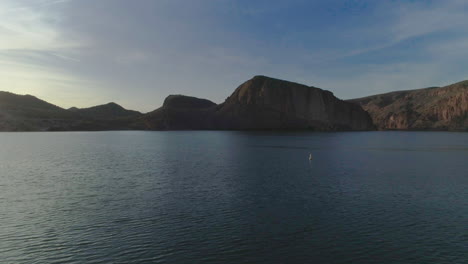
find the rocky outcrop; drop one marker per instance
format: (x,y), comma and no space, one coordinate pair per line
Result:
(268,103)
(181,112)
(262,103)
(435,108)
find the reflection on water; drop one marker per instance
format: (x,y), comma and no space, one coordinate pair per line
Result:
(233,197)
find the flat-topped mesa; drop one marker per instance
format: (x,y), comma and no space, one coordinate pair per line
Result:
(180,112)
(182,101)
(267,103)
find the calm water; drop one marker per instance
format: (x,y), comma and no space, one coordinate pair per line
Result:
(233,197)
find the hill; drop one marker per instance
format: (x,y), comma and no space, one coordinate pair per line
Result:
(262,103)
(434,108)
(28,113)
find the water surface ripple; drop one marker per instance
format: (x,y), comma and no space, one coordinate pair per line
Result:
(233,197)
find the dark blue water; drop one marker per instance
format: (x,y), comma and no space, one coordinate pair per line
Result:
(233,197)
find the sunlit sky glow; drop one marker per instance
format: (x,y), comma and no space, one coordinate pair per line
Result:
(88,52)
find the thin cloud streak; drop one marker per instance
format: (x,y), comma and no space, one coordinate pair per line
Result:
(142,51)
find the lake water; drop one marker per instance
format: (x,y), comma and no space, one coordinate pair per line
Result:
(233,197)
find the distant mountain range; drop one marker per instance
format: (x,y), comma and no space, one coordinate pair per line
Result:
(28,113)
(261,103)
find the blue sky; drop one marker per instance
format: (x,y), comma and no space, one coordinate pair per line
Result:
(87,52)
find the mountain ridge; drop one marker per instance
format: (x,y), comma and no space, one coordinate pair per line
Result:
(264,103)
(29,113)
(109,110)
(259,103)
(432,108)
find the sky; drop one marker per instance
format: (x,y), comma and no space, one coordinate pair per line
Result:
(135,53)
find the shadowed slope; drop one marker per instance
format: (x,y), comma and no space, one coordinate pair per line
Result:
(180,112)
(268,103)
(106,111)
(28,113)
(262,103)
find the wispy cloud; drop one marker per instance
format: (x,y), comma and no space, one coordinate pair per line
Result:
(141,51)
(412,45)
(32,52)
(422,18)
(55,2)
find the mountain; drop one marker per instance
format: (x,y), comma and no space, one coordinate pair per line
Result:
(434,108)
(29,106)
(180,112)
(262,103)
(109,116)
(268,103)
(106,111)
(28,113)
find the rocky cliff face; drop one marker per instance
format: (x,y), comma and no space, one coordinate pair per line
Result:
(259,103)
(435,108)
(267,103)
(262,103)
